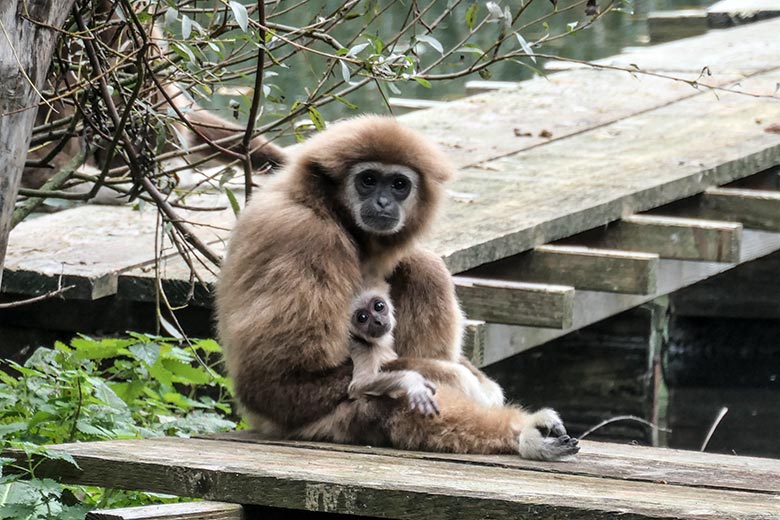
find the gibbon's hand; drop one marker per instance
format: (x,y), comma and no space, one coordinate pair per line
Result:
(419,393)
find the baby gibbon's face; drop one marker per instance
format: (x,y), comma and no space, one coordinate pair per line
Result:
(372,320)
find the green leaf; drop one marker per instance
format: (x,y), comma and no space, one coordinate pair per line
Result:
(95,350)
(422,81)
(161,374)
(208,345)
(316,119)
(471,16)
(344,101)
(146,352)
(239,12)
(430,40)
(233,201)
(187,374)
(14,427)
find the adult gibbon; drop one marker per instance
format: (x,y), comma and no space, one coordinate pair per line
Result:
(349,207)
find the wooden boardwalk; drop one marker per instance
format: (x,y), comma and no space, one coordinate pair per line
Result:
(545,160)
(605,481)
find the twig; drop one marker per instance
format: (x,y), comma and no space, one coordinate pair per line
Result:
(256,100)
(54,183)
(623,418)
(718,419)
(52,294)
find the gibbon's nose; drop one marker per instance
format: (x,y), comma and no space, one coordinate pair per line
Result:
(382,202)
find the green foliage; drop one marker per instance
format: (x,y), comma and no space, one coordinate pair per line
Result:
(92,390)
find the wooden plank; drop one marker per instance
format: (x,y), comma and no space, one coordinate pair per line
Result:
(578,266)
(743,50)
(539,110)
(664,26)
(181,511)
(536,196)
(89,246)
(504,341)
(728,13)
(499,301)
(378,485)
(674,237)
(756,209)
(596,459)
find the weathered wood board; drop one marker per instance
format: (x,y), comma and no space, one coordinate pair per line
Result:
(502,341)
(89,246)
(741,50)
(381,484)
(587,180)
(183,511)
(580,267)
(727,13)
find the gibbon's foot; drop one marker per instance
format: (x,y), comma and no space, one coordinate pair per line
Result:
(420,397)
(544,437)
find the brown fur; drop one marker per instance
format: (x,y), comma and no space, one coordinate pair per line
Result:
(294,263)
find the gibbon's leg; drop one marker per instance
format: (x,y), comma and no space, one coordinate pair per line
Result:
(289,400)
(491,390)
(462,427)
(457,375)
(429,322)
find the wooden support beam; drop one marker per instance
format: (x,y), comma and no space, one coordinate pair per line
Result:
(673,237)
(757,209)
(180,511)
(498,301)
(581,267)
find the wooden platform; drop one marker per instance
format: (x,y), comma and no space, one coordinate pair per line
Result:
(545,160)
(605,481)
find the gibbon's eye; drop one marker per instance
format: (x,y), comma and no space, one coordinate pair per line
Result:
(362,317)
(379,306)
(368,179)
(400,184)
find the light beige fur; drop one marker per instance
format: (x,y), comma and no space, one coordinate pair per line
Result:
(296,260)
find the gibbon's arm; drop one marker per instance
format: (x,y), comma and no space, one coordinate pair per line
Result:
(408,384)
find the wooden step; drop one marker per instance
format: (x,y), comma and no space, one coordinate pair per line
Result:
(500,301)
(180,511)
(604,482)
(672,237)
(581,267)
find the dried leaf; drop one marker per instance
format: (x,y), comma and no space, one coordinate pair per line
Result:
(239,12)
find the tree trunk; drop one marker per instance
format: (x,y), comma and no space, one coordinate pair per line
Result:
(26,48)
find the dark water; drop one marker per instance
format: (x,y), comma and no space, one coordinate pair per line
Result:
(606,37)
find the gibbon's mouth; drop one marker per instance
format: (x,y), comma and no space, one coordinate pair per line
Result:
(377,330)
(381,222)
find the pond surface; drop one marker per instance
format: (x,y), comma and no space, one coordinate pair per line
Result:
(608,36)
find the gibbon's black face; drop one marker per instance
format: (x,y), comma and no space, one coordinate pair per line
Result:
(380,196)
(372,320)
